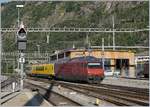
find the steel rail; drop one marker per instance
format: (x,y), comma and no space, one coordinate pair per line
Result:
(7,82)
(119,97)
(53,97)
(108,96)
(127,98)
(136,97)
(132,90)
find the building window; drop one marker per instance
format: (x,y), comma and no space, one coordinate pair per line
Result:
(60,56)
(54,57)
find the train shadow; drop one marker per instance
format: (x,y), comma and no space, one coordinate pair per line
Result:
(38,99)
(47,95)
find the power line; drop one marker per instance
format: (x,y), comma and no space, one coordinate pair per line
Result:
(105,30)
(123,47)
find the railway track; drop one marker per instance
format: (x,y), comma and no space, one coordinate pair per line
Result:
(115,94)
(51,96)
(116,97)
(131,90)
(141,78)
(7,82)
(125,89)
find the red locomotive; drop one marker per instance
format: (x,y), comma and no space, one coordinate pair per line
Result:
(88,69)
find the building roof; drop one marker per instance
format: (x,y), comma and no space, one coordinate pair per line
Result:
(83,49)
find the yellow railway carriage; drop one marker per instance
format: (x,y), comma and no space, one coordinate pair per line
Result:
(43,70)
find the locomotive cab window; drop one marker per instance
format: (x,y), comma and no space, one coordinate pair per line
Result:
(94,65)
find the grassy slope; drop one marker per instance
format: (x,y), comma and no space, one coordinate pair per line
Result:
(77,14)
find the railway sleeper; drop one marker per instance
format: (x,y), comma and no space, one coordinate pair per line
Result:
(132,101)
(53,97)
(113,92)
(121,96)
(113,100)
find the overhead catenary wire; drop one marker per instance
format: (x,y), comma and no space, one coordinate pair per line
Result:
(52,29)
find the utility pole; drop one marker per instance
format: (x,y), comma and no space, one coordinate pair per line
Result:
(22,61)
(73,46)
(18,17)
(87,41)
(109,40)
(18,22)
(88,44)
(14,64)
(47,39)
(149,30)
(0,45)
(113,32)
(103,59)
(38,47)
(21,44)
(19,6)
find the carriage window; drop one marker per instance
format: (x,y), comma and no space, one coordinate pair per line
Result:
(40,68)
(45,68)
(33,68)
(52,67)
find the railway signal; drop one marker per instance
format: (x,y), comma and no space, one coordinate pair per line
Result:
(21,38)
(21,44)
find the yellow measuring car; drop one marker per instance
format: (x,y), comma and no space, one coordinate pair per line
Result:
(43,70)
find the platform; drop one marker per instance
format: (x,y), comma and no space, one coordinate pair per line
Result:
(126,82)
(23,98)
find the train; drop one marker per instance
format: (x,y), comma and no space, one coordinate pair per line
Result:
(142,69)
(42,70)
(79,69)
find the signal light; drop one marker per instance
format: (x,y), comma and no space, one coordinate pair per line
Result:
(21,38)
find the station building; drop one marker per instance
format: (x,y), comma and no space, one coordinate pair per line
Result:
(115,61)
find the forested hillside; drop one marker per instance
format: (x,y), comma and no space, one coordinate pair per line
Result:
(76,14)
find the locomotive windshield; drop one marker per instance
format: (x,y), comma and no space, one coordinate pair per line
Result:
(86,58)
(94,65)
